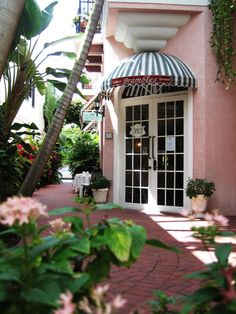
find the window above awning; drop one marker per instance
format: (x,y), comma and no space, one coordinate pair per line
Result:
(150,68)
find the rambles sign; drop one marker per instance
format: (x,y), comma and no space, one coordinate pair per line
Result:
(139,80)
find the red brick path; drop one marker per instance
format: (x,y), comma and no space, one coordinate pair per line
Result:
(156,268)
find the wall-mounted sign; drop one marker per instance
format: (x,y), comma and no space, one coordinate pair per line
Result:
(88,116)
(137,130)
(170,143)
(144,79)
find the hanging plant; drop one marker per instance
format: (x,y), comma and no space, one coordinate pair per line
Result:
(222,38)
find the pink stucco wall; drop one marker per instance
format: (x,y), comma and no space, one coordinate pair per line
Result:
(214,110)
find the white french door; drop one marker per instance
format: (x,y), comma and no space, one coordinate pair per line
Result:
(154,153)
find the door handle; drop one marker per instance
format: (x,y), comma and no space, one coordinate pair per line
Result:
(149,157)
(154,164)
(153,156)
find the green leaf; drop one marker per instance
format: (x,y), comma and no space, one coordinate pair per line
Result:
(83,246)
(63,210)
(35,19)
(58,72)
(48,243)
(203,295)
(227,234)
(3,292)
(119,241)
(99,268)
(77,223)
(107,206)
(61,86)
(99,241)
(222,252)
(201,275)
(84,79)
(59,41)
(76,283)
(46,291)
(138,234)
(71,55)
(10,277)
(162,245)
(62,266)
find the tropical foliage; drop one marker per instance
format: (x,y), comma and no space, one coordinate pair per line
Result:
(11,170)
(223,38)
(52,135)
(21,76)
(84,155)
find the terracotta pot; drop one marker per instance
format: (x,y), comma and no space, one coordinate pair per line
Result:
(100,195)
(199,203)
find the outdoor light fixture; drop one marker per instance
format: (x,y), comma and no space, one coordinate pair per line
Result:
(97,106)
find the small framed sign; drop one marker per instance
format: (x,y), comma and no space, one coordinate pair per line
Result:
(88,116)
(137,130)
(170,143)
(108,135)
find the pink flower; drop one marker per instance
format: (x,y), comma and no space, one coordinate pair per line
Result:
(185,212)
(100,290)
(216,219)
(118,302)
(208,217)
(59,226)
(221,220)
(20,210)
(66,302)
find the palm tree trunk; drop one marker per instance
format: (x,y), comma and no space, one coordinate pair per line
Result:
(54,130)
(10,13)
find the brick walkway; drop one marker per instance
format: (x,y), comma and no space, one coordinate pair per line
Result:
(156,268)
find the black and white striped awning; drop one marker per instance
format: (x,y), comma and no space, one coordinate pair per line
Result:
(150,68)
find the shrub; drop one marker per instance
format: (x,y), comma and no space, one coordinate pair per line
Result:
(84,155)
(98,181)
(199,186)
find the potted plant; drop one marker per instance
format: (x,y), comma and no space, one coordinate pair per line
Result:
(199,190)
(81,20)
(100,185)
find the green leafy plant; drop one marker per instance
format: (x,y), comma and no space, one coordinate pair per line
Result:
(61,256)
(84,155)
(98,181)
(199,186)
(222,38)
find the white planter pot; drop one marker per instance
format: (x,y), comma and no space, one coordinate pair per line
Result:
(100,195)
(199,203)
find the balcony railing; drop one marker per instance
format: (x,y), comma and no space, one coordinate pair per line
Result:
(82,17)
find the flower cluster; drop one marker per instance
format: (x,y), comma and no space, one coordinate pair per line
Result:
(67,307)
(97,306)
(23,153)
(213,218)
(59,226)
(20,210)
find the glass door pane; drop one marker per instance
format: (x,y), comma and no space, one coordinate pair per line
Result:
(170,153)
(136,154)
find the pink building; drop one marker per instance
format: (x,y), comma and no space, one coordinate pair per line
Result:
(166,119)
